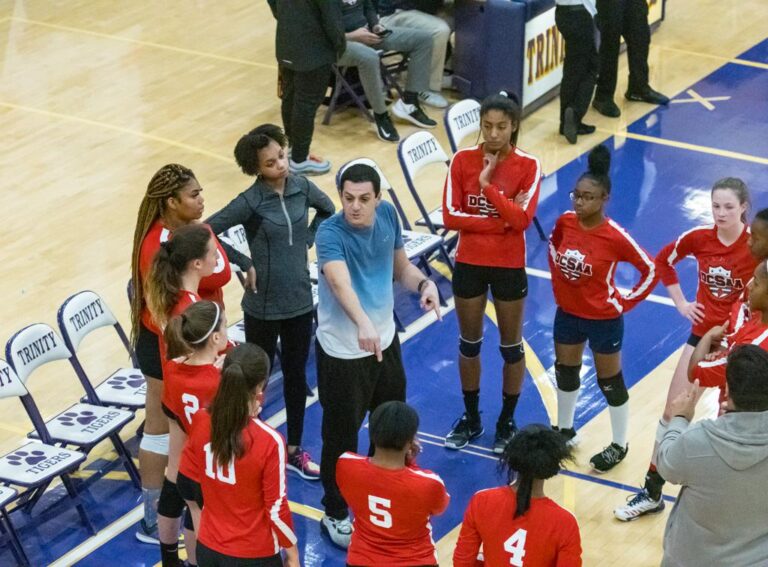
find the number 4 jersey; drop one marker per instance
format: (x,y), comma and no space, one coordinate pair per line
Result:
(392,510)
(545,536)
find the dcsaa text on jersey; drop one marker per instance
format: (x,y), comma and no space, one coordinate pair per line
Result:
(572,264)
(720,282)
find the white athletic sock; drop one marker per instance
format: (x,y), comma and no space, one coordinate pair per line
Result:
(619,423)
(566,408)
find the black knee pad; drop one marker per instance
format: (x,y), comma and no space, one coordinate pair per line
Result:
(171,504)
(188,523)
(469,349)
(567,377)
(512,353)
(614,390)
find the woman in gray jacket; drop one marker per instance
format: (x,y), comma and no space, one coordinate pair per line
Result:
(275,214)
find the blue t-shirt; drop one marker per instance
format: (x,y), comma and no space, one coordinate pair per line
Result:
(369,255)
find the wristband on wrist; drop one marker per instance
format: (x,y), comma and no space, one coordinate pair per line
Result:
(422,283)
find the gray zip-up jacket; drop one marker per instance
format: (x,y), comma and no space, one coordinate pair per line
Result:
(279,234)
(721,515)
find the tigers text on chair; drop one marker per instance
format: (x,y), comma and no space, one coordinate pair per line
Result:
(82,425)
(80,315)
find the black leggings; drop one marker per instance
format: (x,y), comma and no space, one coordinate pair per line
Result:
(295,337)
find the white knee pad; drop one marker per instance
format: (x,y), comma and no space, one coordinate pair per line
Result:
(661,429)
(155,443)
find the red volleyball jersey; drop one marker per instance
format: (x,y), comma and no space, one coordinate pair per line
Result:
(188,388)
(545,536)
(246,507)
(491,225)
(711,373)
(392,510)
(583,264)
(210,287)
(724,271)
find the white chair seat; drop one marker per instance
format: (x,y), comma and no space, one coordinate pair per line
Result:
(418,243)
(85,424)
(124,388)
(314,273)
(436,216)
(32,463)
(236,332)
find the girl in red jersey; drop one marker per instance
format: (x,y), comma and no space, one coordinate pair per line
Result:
(172,286)
(490,198)
(708,360)
(517,524)
(191,379)
(234,464)
(584,250)
(173,199)
(391,498)
(725,265)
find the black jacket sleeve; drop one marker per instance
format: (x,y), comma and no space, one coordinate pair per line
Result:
(330,15)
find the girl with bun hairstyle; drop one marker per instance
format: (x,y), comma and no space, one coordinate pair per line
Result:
(584,249)
(490,198)
(233,467)
(517,524)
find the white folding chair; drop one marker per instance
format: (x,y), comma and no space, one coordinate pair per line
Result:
(82,425)
(80,315)
(34,465)
(416,152)
(461,119)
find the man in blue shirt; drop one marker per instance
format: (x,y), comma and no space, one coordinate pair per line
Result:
(359,365)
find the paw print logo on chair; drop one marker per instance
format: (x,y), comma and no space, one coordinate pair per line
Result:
(131,381)
(25,457)
(72,418)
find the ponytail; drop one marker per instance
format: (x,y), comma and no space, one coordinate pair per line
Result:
(246,368)
(535,452)
(599,167)
(192,330)
(188,243)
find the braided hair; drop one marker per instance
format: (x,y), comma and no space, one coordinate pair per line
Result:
(169,181)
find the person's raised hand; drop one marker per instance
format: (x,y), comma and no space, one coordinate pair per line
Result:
(489,165)
(685,403)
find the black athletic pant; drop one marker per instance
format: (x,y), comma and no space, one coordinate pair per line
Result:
(348,390)
(580,67)
(207,557)
(295,338)
(628,18)
(303,91)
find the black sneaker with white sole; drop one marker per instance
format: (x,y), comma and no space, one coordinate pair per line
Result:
(568,434)
(385,130)
(504,434)
(412,113)
(608,458)
(464,430)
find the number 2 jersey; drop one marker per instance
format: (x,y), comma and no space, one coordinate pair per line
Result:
(723,271)
(583,265)
(545,536)
(392,510)
(188,388)
(246,511)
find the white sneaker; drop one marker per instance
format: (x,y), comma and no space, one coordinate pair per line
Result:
(433,99)
(340,531)
(309,166)
(639,505)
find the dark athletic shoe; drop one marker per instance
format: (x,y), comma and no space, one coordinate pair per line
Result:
(504,434)
(569,435)
(385,130)
(648,95)
(570,126)
(606,108)
(608,458)
(463,432)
